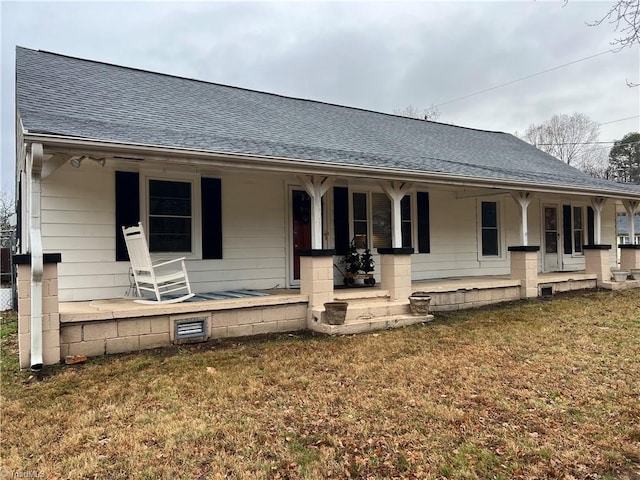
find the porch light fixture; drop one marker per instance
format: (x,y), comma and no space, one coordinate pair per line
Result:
(77,161)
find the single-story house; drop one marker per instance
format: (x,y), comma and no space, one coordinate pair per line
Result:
(263,192)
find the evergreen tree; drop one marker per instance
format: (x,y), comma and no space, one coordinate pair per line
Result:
(624,159)
(367,264)
(352,259)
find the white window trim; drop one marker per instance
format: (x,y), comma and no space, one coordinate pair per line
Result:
(413,213)
(585,230)
(196,210)
(502,234)
(351,219)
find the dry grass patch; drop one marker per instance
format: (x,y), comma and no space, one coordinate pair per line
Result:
(540,389)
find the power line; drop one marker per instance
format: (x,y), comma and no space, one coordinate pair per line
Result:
(523,78)
(587,143)
(619,120)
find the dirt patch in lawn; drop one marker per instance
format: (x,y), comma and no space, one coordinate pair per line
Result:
(538,389)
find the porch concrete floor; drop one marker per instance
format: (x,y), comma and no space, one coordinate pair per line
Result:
(127,307)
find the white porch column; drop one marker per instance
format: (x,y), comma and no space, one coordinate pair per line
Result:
(598,204)
(396,192)
(631,206)
(523,199)
(316,186)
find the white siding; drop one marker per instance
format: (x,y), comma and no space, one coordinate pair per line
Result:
(454,238)
(78,221)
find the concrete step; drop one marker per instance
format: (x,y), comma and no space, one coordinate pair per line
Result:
(369,309)
(369,325)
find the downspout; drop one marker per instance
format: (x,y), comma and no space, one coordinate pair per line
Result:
(34,159)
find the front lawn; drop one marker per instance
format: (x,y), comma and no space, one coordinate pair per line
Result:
(537,389)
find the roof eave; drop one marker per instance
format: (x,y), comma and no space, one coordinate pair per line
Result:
(302,166)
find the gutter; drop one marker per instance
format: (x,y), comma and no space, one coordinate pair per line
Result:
(301,166)
(34,164)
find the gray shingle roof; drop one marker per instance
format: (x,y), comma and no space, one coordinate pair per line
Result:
(67,96)
(622,224)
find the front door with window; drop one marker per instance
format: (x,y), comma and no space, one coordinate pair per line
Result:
(551,239)
(300,230)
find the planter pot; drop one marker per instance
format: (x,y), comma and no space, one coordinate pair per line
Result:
(635,273)
(335,312)
(419,303)
(620,275)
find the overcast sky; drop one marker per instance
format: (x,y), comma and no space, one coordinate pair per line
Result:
(375,55)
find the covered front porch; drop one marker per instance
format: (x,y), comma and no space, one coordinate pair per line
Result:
(120,325)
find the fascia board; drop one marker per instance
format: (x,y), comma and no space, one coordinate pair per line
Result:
(176,155)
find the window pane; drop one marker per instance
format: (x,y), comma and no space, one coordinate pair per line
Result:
(489,214)
(406,234)
(577,241)
(359,206)
(381,207)
(550,219)
(169,216)
(405,215)
(551,242)
(169,198)
(169,234)
(405,208)
(577,218)
(489,242)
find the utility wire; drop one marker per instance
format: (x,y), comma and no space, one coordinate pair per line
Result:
(589,143)
(619,120)
(523,78)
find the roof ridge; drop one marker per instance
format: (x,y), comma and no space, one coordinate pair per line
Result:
(151,72)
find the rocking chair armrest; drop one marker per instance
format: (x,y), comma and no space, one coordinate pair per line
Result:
(167,262)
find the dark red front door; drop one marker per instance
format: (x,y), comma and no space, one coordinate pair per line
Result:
(301,208)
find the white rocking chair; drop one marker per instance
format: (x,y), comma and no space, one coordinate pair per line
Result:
(161,278)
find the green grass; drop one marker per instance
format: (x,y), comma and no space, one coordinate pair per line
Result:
(535,389)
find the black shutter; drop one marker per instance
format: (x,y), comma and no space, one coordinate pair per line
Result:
(211,195)
(127,208)
(566,229)
(424,234)
(591,231)
(341,219)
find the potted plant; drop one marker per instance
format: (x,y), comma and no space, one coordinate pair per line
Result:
(620,275)
(351,259)
(367,265)
(351,262)
(635,273)
(419,303)
(335,313)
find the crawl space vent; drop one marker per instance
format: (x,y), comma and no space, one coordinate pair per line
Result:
(191,330)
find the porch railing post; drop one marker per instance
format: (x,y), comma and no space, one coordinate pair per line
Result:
(395,272)
(630,257)
(524,267)
(316,279)
(597,261)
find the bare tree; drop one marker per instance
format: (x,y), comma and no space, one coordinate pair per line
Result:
(597,165)
(625,15)
(7,210)
(571,138)
(429,113)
